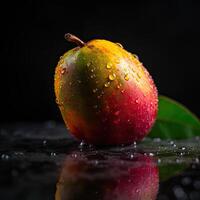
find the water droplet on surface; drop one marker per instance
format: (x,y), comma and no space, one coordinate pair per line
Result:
(53,154)
(82,144)
(96,162)
(5,157)
(179,192)
(137,101)
(157,140)
(186,181)
(44,142)
(92,70)
(120,45)
(126,77)
(134,144)
(131,156)
(74,155)
(112,77)
(107,84)
(197,160)
(109,66)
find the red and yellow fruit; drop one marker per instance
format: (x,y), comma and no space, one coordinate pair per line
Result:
(105,94)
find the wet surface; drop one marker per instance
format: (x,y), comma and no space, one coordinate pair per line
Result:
(41,161)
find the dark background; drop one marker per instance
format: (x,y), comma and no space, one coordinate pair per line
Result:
(164,34)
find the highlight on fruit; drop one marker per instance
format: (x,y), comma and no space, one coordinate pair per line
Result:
(105,94)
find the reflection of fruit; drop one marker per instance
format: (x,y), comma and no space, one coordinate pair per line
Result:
(105,94)
(83,178)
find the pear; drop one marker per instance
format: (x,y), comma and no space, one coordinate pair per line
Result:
(105,94)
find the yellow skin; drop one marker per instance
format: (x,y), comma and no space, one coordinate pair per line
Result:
(86,76)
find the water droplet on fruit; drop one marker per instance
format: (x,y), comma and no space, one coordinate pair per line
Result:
(137,190)
(88,64)
(112,77)
(94,90)
(138,75)
(117,113)
(60,104)
(126,77)
(122,91)
(136,101)
(63,71)
(61,62)
(107,84)
(119,85)
(92,70)
(109,66)
(135,56)
(120,45)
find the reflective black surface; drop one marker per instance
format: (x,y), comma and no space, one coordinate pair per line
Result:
(41,161)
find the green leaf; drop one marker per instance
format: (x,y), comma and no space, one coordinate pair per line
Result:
(174,121)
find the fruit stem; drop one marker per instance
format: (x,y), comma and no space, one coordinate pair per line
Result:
(72,38)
